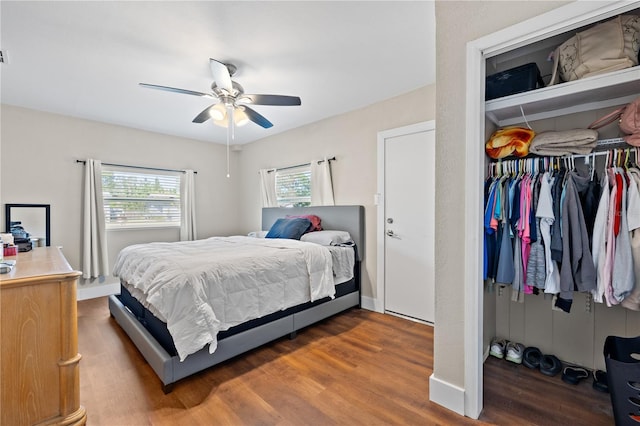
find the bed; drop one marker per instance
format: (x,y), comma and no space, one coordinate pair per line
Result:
(148,327)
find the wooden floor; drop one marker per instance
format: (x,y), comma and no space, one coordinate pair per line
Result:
(357,368)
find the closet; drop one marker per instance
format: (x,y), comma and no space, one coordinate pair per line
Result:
(576,337)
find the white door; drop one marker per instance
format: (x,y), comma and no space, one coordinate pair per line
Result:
(407,226)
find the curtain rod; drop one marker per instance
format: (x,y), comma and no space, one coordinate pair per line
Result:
(138,167)
(299,165)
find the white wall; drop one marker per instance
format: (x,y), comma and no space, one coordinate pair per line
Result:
(38,166)
(352,139)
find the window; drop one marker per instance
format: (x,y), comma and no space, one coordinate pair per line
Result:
(293,187)
(138,198)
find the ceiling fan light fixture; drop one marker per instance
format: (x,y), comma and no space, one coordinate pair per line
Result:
(240,117)
(217,112)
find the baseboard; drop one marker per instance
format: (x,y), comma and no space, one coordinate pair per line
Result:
(371,304)
(446,394)
(98,291)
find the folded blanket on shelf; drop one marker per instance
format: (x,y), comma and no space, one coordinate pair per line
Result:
(565,142)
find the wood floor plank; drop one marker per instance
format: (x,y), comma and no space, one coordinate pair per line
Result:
(356,368)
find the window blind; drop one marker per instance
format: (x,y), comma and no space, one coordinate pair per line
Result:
(293,187)
(138,198)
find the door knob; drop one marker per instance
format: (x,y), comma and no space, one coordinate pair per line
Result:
(390,233)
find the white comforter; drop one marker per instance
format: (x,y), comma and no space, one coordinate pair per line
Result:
(202,287)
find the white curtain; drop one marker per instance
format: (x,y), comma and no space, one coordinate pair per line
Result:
(321,184)
(95,260)
(268,187)
(187,196)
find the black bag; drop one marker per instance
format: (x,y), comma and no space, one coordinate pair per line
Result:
(516,80)
(623,375)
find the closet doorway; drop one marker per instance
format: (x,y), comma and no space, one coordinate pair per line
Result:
(406,209)
(476,342)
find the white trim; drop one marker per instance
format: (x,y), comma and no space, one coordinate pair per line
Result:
(408,318)
(423,126)
(447,395)
(556,21)
(474,166)
(552,23)
(370,304)
(92,292)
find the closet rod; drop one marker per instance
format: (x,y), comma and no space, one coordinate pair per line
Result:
(300,165)
(138,167)
(592,154)
(596,153)
(494,166)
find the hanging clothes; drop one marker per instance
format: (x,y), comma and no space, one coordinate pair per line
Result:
(525,228)
(547,218)
(632,301)
(556,232)
(560,231)
(577,270)
(599,242)
(536,270)
(490,233)
(622,281)
(505,273)
(610,236)
(589,201)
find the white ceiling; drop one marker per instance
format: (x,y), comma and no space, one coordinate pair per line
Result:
(86,58)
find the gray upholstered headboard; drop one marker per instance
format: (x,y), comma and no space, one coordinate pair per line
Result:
(342,218)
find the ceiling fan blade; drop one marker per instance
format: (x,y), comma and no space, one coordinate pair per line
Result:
(221,75)
(204,115)
(280,100)
(176,90)
(257,118)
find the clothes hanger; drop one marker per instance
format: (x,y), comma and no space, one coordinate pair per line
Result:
(620,154)
(626,159)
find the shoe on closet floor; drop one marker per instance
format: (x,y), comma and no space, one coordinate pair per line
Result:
(531,357)
(574,375)
(497,348)
(600,382)
(550,365)
(514,352)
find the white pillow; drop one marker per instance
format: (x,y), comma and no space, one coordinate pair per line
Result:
(257,234)
(327,237)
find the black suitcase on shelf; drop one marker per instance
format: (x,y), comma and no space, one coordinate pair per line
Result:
(515,80)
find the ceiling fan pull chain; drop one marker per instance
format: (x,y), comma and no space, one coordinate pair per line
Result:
(232,122)
(228,136)
(230,127)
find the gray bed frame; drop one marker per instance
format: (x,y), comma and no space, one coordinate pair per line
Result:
(169,368)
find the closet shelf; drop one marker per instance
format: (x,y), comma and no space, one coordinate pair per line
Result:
(601,91)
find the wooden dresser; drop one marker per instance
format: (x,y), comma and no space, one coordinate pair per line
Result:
(40,376)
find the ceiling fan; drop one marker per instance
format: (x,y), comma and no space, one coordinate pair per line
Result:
(232,107)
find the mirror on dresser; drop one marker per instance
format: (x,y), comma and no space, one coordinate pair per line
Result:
(34,218)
